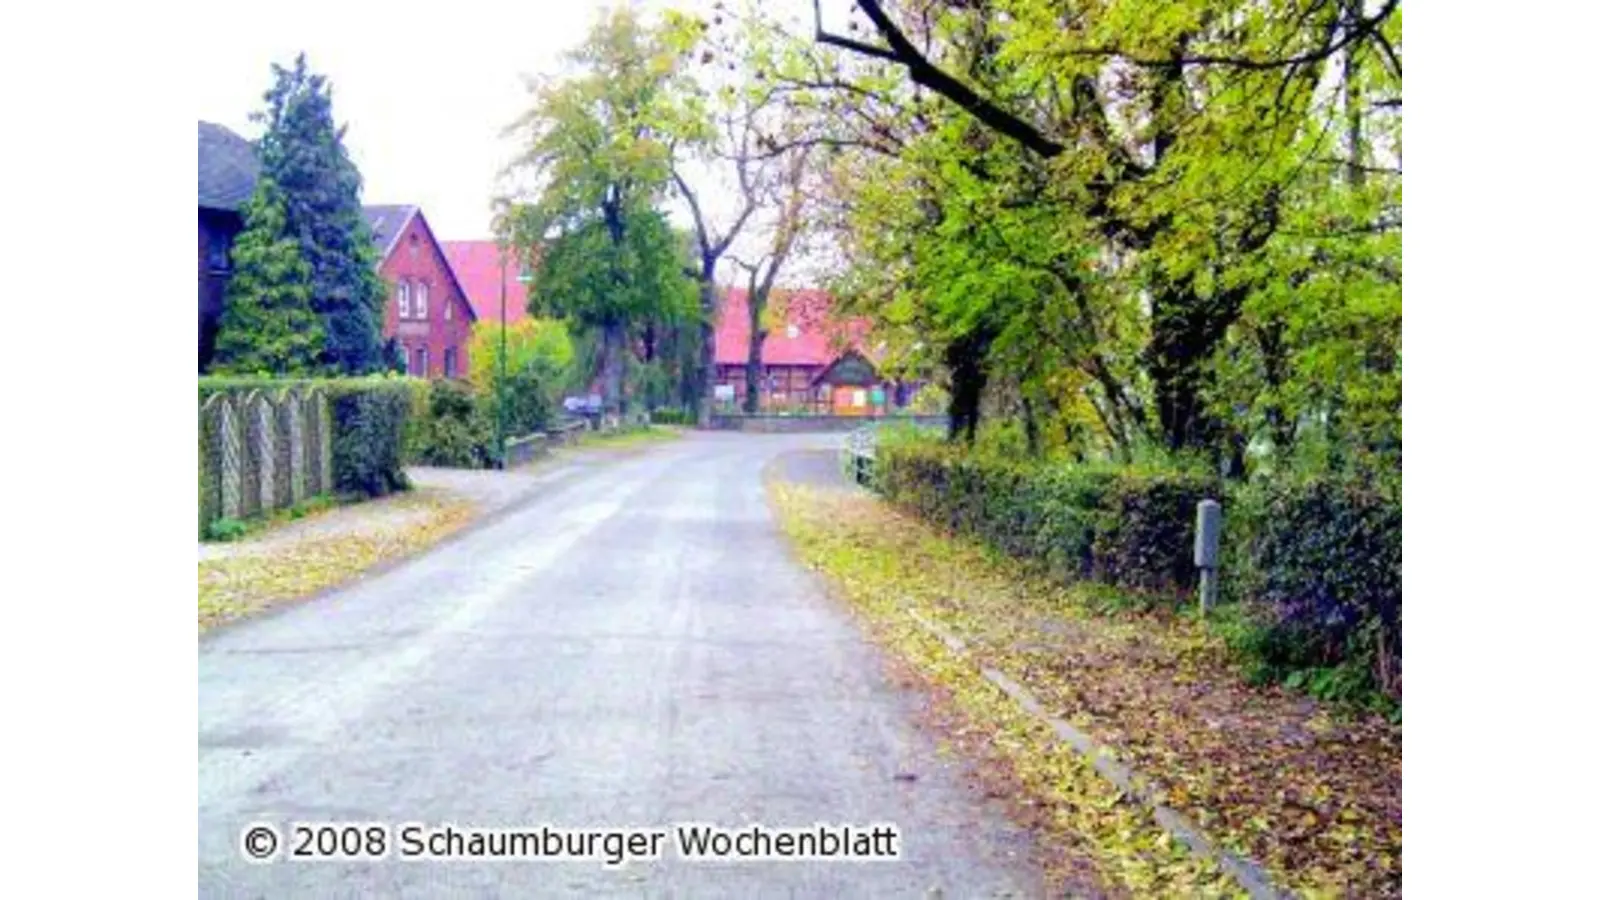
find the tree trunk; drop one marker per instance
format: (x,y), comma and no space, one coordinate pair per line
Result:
(752,374)
(708,340)
(966,358)
(1030,426)
(612,346)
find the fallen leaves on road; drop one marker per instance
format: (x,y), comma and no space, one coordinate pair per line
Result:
(1096,841)
(237,586)
(1314,797)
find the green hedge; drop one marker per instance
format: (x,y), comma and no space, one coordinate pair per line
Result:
(369,418)
(1129,528)
(456,431)
(1313,567)
(1316,566)
(369,429)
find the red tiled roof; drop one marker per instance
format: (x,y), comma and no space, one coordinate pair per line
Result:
(477,267)
(818,339)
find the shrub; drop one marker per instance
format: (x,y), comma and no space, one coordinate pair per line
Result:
(672,416)
(368,419)
(1127,527)
(456,431)
(369,430)
(538,364)
(1313,565)
(226,530)
(1319,560)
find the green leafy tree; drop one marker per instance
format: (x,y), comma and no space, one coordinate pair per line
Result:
(303,152)
(598,144)
(539,361)
(267,322)
(1183,217)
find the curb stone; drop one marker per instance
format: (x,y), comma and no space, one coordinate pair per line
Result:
(1249,874)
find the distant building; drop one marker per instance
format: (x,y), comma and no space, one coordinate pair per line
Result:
(478,265)
(427,312)
(228,173)
(811,360)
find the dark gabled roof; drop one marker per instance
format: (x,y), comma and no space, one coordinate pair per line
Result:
(387,222)
(228,168)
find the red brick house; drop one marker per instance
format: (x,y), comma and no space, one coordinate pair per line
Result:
(427,312)
(477,266)
(810,361)
(228,172)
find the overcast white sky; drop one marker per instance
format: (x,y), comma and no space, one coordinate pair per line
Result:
(424,89)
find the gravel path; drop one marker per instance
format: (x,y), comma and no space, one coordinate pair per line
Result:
(633,646)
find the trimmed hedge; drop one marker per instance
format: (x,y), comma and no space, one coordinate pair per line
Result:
(1313,567)
(1130,528)
(369,429)
(369,418)
(1317,566)
(455,430)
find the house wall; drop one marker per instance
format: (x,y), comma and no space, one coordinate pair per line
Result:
(786,385)
(216,226)
(416,257)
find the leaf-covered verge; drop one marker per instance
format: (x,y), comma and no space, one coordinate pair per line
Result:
(224,530)
(1313,797)
(1092,838)
(630,437)
(240,585)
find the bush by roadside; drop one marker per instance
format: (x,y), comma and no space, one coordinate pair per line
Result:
(1314,797)
(455,430)
(1312,565)
(269,443)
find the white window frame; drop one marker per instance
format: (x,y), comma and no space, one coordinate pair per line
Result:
(448,307)
(419,300)
(422,361)
(402,298)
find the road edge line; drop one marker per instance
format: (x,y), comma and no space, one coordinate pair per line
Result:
(1249,874)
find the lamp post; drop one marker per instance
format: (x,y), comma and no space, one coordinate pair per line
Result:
(500,383)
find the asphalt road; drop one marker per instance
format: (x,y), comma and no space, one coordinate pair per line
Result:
(633,648)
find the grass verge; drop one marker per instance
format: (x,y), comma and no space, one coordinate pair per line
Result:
(237,586)
(1313,796)
(630,437)
(1094,840)
(226,530)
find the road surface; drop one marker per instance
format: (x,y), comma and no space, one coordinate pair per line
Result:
(632,648)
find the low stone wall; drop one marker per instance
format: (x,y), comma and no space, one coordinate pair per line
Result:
(526,449)
(522,450)
(796,424)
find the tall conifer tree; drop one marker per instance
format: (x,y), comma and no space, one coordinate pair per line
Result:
(303,152)
(267,321)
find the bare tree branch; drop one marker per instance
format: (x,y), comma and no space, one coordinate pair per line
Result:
(902,52)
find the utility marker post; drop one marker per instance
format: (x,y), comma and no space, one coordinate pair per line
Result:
(1207,539)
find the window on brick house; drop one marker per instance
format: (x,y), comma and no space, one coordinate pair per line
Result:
(449,360)
(421,368)
(402,298)
(420,301)
(448,307)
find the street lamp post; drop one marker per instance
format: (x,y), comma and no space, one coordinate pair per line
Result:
(500,383)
